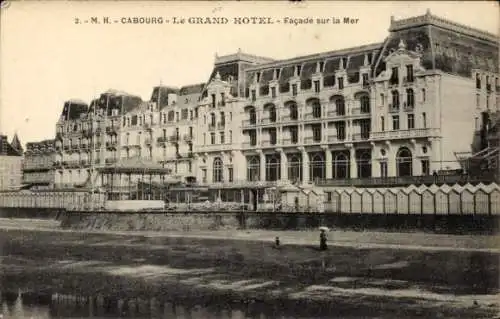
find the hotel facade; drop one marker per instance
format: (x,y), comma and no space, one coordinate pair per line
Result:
(403,107)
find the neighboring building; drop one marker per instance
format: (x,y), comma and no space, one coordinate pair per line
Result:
(399,108)
(11,161)
(38,166)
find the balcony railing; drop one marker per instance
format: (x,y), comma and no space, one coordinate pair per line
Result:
(287,118)
(413,133)
(334,113)
(173,138)
(219,147)
(111,144)
(111,130)
(188,138)
(290,141)
(221,126)
(311,116)
(161,140)
(110,160)
(147,141)
(335,139)
(72,164)
(247,145)
(361,136)
(408,107)
(311,140)
(360,111)
(212,127)
(402,181)
(393,108)
(248,123)
(408,79)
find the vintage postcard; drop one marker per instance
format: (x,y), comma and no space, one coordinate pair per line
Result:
(239,159)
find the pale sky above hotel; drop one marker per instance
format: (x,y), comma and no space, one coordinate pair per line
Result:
(46,59)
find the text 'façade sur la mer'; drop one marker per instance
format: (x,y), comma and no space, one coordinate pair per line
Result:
(222,20)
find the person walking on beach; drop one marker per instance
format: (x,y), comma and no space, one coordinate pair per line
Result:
(322,240)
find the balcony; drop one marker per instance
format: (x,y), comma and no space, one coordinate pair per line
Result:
(408,107)
(161,140)
(288,118)
(188,138)
(366,85)
(393,108)
(111,144)
(111,130)
(361,136)
(212,127)
(249,123)
(83,162)
(98,131)
(357,111)
(84,146)
(334,113)
(290,141)
(488,87)
(221,126)
(310,116)
(312,140)
(147,141)
(216,147)
(247,145)
(148,126)
(109,161)
(408,80)
(335,139)
(173,139)
(400,134)
(72,164)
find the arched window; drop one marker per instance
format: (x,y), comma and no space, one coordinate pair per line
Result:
(340,106)
(218,174)
(341,166)
(317,166)
(410,98)
(295,168)
(316,108)
(395,99)
(364,165)
(272,168)
(404,162)
(294,112)
(253,169)
(212,119)
(272,113)
(365,104)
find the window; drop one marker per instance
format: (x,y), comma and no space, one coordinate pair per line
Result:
(230,173)
(383,169)
(204,138)
(204,175)
(212,138)
(410,98)
(478,100)
(316,108)
(409,73)
(222,138)
(478,81)
(294,112)
(177,116)
(222,119)
(253,116)
(253,138)
(191,115)
(382,123)
(423,95)
(212,119)
(230,137)
(340,106)
(316,86)
(316,129)
(341,83)
(382,99)
(425,167)
(395,122)
(254,97)
(294,89)
(218,170)
(213,100)
(272,114)
(222,99)
(365,128)
(294,134)
(424,120)
(272,136)
(365,80)
(411,122)
(365,104)
(184,114)
(395,99)
(340,126)
(394,76)
(273,92)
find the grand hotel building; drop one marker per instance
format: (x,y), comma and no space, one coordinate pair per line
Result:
(402,107)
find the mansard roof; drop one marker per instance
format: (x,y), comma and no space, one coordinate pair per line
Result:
(447,46)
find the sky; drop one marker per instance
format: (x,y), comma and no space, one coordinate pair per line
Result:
(46,59)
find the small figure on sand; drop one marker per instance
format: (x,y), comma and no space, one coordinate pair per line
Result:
(322,239)
(277,242)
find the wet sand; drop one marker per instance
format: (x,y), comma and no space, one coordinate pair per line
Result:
(353,279)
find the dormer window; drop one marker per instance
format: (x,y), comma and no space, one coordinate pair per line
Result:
(394,76)
(213,100)
(365,80)
(409,73)
(258,76)
(278,73)
(321,65)
(299,69)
